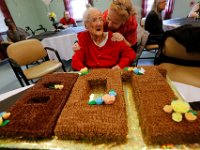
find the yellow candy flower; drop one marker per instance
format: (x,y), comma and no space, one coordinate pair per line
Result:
(168,109)
(177,116)
(190,116)
(180,106)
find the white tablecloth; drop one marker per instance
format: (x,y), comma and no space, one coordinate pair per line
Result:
(177,22)
(13,92)
(188,92)
(63,44)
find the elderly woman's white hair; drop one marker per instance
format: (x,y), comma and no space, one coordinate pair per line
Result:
(88,12)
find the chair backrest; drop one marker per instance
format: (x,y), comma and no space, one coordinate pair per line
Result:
(174,49)
(142,37)
(142,22)
(26,51)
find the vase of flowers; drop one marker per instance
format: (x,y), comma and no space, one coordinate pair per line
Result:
(52,17)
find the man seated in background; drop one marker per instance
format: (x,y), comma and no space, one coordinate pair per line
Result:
(97,50)
(67,20)
(14,33)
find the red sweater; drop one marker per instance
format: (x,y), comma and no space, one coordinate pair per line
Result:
(128,30)
(70,21)
(92,56)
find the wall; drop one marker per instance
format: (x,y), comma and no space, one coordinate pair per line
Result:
(23,13)
(104,4)
(182,8)
(34,12)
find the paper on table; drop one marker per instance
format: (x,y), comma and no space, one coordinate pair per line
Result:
(13,92)
(188,92)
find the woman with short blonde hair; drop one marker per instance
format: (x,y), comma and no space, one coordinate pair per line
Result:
(120,18)
(124,8)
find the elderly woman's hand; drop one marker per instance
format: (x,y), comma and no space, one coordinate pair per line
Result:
(117,37)
(76,47)
(116,67)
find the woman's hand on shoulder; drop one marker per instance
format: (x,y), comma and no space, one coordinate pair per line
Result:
(117,37)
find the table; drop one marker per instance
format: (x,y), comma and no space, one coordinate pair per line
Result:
(176,22)
(62,41)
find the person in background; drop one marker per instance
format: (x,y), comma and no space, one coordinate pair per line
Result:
(195,12)
(153,22)
(67,20)
(121,19)
(14,33)
(97,50)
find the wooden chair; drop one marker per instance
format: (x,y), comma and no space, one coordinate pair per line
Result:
(181,65)
(28,52)
(3,49)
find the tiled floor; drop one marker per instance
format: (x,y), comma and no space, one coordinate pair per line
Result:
(8,80)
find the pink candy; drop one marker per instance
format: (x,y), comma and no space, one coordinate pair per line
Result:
(108,99)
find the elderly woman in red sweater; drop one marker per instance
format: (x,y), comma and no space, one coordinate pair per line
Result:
(97,50)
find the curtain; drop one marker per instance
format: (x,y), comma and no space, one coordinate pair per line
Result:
(144,8)
(5,9)
(169,9)
(73,5)
(66,3)
(91,2)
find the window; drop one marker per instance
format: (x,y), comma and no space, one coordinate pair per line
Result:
(77,8)
(149,5)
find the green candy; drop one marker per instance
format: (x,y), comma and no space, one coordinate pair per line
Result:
(92,102)
(126,68)
(5,122)
(193,112)
(84,73)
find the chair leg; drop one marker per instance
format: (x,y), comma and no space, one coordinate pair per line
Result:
(63,67)
(25,80)
(136,63)
(16,74)
(19,79)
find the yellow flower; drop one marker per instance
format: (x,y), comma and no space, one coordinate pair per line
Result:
(52,15)
(177,117)
(180,106)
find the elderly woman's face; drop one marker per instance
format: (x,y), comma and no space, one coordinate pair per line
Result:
(113,20)
(95,24)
